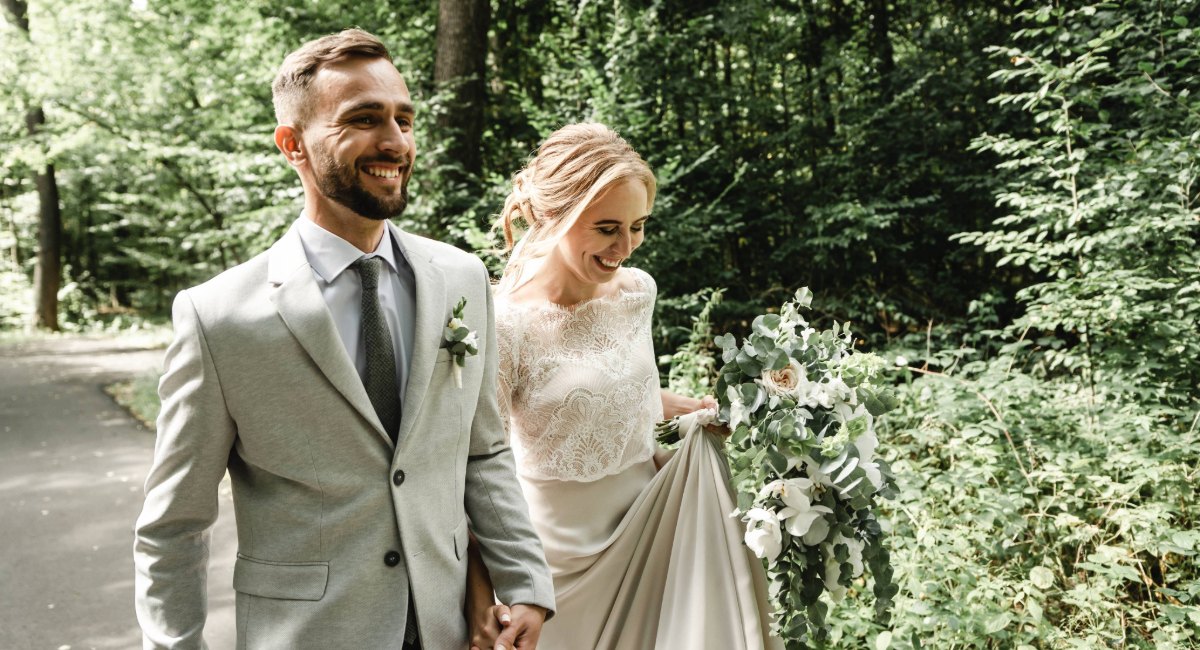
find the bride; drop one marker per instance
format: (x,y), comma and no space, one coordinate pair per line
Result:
(643,552)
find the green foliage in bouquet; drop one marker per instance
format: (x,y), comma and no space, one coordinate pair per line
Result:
(801,405)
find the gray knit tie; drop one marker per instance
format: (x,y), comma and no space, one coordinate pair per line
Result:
(380,381)
(381,376)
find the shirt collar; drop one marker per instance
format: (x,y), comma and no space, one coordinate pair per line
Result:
(329,254)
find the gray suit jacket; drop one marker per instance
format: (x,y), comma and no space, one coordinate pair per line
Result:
(258,382)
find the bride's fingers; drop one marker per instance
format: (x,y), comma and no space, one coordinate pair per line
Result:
(502,614)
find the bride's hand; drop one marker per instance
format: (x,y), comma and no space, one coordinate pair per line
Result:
(710,402)
(487,625)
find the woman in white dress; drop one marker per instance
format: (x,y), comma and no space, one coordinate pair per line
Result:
(639,539)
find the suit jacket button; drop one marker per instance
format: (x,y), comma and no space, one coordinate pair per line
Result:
(398,477)
(392,558)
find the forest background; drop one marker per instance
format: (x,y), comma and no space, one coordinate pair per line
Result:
(999,196)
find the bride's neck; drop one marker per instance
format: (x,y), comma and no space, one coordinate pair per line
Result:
(553,281)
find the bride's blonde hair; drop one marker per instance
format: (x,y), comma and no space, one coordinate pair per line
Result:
(576,164)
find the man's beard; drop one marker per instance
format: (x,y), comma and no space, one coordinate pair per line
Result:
(340,183)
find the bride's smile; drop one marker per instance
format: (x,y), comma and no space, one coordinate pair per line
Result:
(605,235)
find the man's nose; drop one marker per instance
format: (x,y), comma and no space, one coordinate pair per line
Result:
(392,139)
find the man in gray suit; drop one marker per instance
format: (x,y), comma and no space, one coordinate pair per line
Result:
(318,375)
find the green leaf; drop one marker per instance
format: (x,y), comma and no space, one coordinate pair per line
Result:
(997,623)
(749,365)
(745,501)
(777,359)
(777,460)
(817,612)
(1041,577)
(1181,21)
(879,403)
(803,297)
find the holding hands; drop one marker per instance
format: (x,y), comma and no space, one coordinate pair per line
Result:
(503,628)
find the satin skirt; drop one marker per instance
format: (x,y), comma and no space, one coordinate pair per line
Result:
(650,558)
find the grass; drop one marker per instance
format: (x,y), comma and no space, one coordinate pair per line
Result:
(138,396)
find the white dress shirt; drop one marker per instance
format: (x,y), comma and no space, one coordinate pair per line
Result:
(330,256)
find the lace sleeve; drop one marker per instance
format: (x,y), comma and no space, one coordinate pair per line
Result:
(505,345)
(645,282)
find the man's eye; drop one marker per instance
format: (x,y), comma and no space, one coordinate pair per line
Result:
(364,120)
(403,123)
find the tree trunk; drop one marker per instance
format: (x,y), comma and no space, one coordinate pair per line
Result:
(460,63)
(47,275)
(16,248)
(882,45)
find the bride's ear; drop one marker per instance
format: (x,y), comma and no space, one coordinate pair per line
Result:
(287,138)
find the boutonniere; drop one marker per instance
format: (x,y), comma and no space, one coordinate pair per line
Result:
(461,342)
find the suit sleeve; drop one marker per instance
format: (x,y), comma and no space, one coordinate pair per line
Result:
(171,541)
(493,499)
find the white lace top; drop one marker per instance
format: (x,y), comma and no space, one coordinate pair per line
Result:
(579,390)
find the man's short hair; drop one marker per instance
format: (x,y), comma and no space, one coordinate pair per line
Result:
(291,91)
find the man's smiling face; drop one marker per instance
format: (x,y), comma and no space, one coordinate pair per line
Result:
(360,137)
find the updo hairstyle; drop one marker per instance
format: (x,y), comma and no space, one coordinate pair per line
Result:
(576,164)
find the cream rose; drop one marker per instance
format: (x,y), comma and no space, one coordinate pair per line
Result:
(783,382)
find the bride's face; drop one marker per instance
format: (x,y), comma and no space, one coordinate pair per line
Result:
(606,233)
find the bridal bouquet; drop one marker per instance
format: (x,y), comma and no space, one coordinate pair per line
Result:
(801,405)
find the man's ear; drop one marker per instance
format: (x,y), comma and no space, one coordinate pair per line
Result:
(287,138)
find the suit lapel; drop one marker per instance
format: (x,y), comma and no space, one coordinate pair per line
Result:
(302,308)
(430,320)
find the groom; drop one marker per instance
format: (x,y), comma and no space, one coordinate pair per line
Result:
(317,375)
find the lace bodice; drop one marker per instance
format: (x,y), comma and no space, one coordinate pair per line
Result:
(579,390)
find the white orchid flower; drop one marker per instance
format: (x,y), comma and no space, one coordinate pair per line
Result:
(738,413)
(856,549)
(807,392)
(824,397)
(866,445)
(455,323)
(832,573)
(803,519)
(842,391)
(763,535)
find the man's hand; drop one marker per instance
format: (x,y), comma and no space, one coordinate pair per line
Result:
(522,626)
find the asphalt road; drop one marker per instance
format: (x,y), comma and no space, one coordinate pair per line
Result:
(72,469)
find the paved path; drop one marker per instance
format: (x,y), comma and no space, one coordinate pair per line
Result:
(72,469)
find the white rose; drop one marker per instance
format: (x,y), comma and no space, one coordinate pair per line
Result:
(471,340)
(455,323)
(783,382)
(763,535)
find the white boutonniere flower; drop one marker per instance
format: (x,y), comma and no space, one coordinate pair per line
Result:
(460,341)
